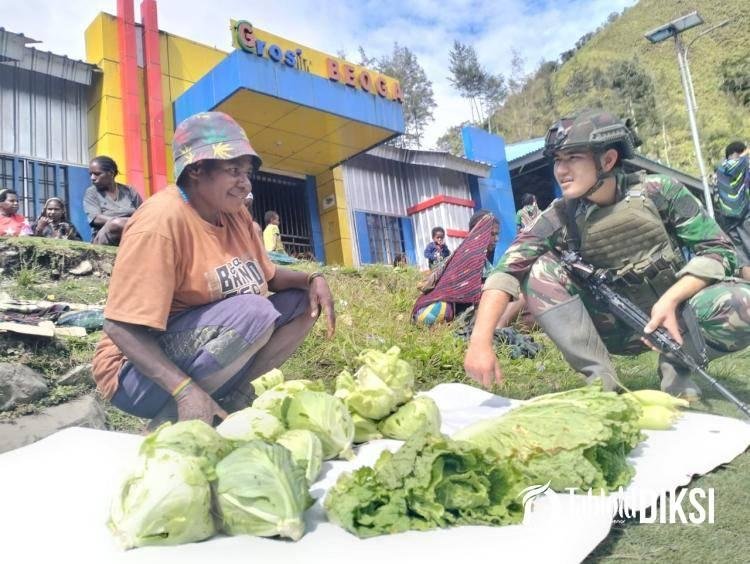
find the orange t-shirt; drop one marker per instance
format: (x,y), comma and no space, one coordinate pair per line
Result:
(171,260)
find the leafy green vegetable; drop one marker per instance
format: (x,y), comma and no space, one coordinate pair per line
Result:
(365,429)
(260,491)
(250,423)
(415,415)
(306,449)
(431,481)
(396,373)
(191,438)
(382,383)
(267,381)
(574,439)
(165,501)
(327,417)
(273,400)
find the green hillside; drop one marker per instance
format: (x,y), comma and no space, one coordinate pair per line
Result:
(620,70)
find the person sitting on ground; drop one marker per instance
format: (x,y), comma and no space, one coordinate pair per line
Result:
(732,196)
(400,260)
(12,224)
(201,325)
(272,234)
(107,203)
(436,250)
(53,223)
(528,213)
(632,227)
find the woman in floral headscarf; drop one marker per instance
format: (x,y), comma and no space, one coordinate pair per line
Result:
(53,223)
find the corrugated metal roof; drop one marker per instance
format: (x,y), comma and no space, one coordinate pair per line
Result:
(14,51)
(437,159)
(522,148)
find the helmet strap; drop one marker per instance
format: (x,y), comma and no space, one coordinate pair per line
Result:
(601,176)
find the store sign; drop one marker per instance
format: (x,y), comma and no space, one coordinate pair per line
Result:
(248,42)
(363,79)
(284,52)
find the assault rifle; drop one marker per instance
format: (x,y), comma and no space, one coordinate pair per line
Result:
(598,283)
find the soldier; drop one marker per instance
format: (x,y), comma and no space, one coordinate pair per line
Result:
(633,226)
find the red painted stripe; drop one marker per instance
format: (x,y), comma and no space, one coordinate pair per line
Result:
(154,104)
(457,233)
(437,200)
(130,105)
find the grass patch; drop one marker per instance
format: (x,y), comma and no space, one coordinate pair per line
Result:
(373,308)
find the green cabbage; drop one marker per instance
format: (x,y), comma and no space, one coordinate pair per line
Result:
(371,398)
(430,482)
(575,439)
(396,373)
(327,417)
(306,449)
(273,400)
(191,438)
(365,429)
(165,501)
(380,385)
(267,381)
(250,423)
(419,413)
(260,491)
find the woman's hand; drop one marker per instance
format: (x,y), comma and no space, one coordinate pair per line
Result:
(194,403)
(321,298)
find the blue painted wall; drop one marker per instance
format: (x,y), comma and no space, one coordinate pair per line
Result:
(245,70)
(494,193)
(78,181)
(316,231)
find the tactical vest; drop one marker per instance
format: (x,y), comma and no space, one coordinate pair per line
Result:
(630,241)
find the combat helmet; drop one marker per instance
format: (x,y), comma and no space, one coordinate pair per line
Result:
(596,130)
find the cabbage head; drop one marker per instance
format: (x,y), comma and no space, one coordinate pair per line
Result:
(327,417)
(306,449)
(372,397)
(267,381)
(365,429)
(249,424)
(166,500)
(191,438)
(273,400)
(260,491)
(396,373)
(419,414)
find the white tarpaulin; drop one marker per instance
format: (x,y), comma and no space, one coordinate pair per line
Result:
(54,500)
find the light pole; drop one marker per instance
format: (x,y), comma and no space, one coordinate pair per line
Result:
(673,29)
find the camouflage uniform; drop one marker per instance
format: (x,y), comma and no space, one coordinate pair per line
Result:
(723,308)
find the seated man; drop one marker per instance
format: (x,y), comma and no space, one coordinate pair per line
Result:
(633,227)
(107,203)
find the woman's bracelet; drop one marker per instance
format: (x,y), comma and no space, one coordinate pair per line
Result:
(181,386)
(313,276)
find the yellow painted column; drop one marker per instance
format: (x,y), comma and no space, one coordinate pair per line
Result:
(334,217)
(105,126)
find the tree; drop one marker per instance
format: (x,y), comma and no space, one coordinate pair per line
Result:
(419,100)
(451,141)
(735,78)
(484,90)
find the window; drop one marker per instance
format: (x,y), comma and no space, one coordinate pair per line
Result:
(385,237)
(33,192)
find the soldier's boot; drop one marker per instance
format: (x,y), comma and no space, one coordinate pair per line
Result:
(676,380)
(570,327)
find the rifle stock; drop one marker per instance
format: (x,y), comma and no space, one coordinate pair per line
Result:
(630,314)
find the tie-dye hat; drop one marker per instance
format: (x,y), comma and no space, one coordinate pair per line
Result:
(209,135)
